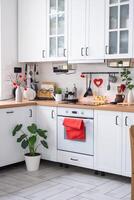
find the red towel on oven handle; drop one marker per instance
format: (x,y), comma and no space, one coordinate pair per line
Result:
(75,129)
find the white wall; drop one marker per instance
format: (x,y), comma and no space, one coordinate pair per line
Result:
(46,74)
(8,15)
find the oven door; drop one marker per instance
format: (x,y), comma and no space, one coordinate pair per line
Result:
(84,147)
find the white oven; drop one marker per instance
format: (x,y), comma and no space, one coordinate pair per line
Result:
(86,146)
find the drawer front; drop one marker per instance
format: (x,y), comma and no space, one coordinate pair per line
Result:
(76,112)
(76,159)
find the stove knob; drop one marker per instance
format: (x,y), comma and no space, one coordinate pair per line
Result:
(82,113)
(66,111)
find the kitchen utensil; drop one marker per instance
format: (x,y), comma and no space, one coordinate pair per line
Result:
(112,78)
(98,82)
(29,94)
(89,90)
(108,86)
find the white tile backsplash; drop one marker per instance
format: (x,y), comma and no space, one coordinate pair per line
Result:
(46,74)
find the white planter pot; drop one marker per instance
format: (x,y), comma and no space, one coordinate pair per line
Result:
(32,162)
(58,97)
(18,94)
(130,97)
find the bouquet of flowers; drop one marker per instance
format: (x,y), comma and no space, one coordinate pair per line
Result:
(18,81)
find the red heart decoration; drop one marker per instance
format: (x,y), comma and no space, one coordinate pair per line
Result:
(98,82)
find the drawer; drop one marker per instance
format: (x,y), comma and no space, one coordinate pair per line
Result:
(75,159)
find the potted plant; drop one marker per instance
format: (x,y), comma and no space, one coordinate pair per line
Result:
(31,140)
(126,77)
(58,95)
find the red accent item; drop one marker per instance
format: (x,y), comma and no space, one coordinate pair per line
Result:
(98,82)
(82,76)
(122,87)
(74,129)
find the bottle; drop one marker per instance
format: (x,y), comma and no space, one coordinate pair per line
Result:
(66,93)
(75,91)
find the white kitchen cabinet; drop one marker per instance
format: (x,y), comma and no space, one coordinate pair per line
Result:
(57,30)
(86,31)
(119,29)
(31,30)
(11,151)
(47,119)
(8,45)
(128,121)
(108,142)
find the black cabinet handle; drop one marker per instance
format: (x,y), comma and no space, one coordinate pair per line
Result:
(52,114)
(106,49)
(31,113)
(126,121)
(87,54)
(43,53)
(10,112)
(116,120)
(64,53)
(82,53)
(74,159)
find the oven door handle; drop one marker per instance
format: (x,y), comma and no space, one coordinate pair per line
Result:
(85,120)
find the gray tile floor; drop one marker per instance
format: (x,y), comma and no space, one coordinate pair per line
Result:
(52,182)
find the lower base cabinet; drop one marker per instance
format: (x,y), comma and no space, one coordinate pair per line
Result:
(108,134)
(11,151)
(46,119)
(128,121)
(112,142)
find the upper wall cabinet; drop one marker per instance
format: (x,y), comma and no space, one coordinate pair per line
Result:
(31,30)
(86,31)
(57,30)
(119,28)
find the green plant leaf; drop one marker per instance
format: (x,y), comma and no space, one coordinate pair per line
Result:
(42,133)
(22,137)
(44,143)
(32,140)
(16,129)
(32,129)
(24,144)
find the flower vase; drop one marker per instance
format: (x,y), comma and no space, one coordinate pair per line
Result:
(130,97)
(18,94)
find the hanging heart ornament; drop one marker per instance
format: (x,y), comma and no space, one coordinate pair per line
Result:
(98,82)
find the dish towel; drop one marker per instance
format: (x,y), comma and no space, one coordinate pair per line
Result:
(75,129)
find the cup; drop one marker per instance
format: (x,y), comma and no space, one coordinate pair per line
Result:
(119,98)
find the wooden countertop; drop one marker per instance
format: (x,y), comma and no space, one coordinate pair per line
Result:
(109,107)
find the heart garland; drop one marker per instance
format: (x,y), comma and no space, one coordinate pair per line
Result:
(98,82)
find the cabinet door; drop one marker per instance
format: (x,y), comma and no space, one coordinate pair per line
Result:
(108,140)
(46,119)
(10,150)
(119,28)
(128,121)
(57,30)
(95,30)
(77,30)
(31,30)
